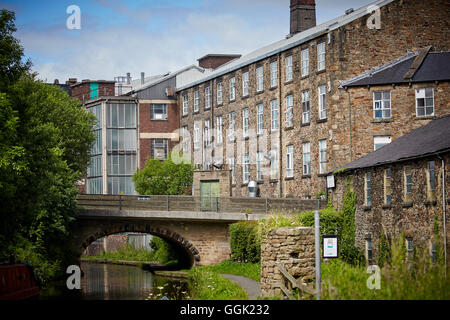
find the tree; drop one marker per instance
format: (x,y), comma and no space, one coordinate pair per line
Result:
(45,140)
(164,178)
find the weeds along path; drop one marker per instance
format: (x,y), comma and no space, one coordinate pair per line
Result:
(252,287)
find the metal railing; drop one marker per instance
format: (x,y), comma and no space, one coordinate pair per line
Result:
(192,203)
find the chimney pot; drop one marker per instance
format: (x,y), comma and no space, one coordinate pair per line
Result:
(142,77)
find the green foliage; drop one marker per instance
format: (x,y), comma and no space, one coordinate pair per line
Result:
(330,220)
(162,251)
(401,278)
(244,242)
(164,178)
(45,139)
(384,254)
(209,285)
(246,269)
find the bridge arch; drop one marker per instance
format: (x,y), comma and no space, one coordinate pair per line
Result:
(188,253)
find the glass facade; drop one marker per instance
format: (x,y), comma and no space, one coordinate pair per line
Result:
(94,174)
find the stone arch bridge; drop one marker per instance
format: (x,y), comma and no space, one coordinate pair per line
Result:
(198,229)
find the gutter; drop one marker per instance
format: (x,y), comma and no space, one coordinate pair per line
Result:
(444,210)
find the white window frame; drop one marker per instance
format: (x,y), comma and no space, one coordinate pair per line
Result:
(382,105)
(305,62)
(196,135)
(289,110)
(185,145)
(158,115)
(290,161)
(274,74)
(421,94)
(245,83)
(368,189)
(289,72)
(259,79)
(245,122)
(207,97)
(207,133)
(185,104)
(219,93)
(274,113)
(245,168)
(274,165)
(219,130)
(259,159)
(259,118)
(306,115)
(322,156)
(232,126)
(306,150)
(322,96)
(321,56)
(232,88)
(196,100)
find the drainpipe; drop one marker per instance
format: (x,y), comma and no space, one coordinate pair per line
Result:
(280,126)
(444,210)
(350,124)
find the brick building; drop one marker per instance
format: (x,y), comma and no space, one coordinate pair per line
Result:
(280,116)
(403,187)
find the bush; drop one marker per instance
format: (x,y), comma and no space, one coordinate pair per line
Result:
(244,241)
(330,220)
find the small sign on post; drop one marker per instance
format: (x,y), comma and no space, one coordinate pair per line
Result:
(330,246)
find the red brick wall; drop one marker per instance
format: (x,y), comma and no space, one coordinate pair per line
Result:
(214,61)
(105,89)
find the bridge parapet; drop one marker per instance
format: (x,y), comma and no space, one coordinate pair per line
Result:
(197,204)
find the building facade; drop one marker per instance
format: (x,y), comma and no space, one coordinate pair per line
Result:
(279,115)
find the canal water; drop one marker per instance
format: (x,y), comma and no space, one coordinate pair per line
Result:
(118,282)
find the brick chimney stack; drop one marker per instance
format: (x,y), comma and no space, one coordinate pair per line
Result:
(303,15)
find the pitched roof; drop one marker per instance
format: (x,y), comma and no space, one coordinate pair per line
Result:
(288,43)
(432,138)
(435,66)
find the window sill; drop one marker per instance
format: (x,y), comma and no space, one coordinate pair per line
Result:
(230,101)
(289,82)
(306,176)
(304,77)
(195,112)
(245,184)
(386,206)
(321,71)
(184,115)
(289,128)
(273,88)
(322,175)
(430,203)
(259,92)
(206,109)
(245,97)
(162,120)
(321,120)
(288,178)
(260,182)
(424,118)
(367,208)
(307,124)
(273,180)
(387,120)
(407,204)
(219,105)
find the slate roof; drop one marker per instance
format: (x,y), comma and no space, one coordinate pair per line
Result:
(432,138)
(288,43)
(435,67)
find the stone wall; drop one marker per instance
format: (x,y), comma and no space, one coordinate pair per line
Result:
(291,247)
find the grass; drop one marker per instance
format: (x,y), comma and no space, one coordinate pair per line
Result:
(249,270)
(128,254)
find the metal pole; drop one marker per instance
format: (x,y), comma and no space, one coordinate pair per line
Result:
(317,244)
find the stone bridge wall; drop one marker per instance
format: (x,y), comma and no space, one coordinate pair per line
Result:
(293,248)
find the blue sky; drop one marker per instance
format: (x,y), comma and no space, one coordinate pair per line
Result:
(153,36)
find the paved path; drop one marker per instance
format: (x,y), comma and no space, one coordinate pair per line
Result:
(249,285)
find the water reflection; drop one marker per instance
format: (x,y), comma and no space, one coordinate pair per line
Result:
(117,282)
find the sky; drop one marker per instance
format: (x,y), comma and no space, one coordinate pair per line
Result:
(151,36)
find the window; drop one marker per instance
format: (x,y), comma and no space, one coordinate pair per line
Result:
(321,56)
(219,93)
(245,169)
(185,144)
(431,176)
(424,102)
(305,62)
(407,183)
(219,130)
(433,252)
(159,149)
(207,133)
(369,251)
(322,102)
(290,162)
(245,122)
(323,156)
(259,79)
(94,174)
(289,110)
(274,165)
(387,186)
(273,74)
(158,112)
(380,141)
(368,189)
(207,97)
(259,158)
(259,118)
(288,68)
(409,249)
(306,158)
(233,170)
(196,101)
(382,104)
(274,108)
(245,82)
(196,135)
(185,104)
(232,88)
(232,126)
(305,107)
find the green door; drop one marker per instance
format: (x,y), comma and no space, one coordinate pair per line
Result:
(209,195)
(94,90)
